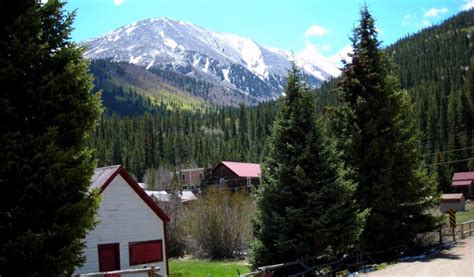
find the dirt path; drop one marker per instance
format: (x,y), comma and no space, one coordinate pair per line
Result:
(457,261)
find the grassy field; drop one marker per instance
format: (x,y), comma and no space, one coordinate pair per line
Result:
(181,267)
(465,216)
(462,217)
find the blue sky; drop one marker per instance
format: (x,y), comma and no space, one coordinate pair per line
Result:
(321,26)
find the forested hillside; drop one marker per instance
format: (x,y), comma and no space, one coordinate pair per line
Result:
(132,90)
(434,65)
(179,138)
(436,68)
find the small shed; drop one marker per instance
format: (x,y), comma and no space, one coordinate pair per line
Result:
(131,232)
(455,201)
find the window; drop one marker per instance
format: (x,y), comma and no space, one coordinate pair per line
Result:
(221,181)
(200,176)
(249,182)
(109,257)
(183,176)
(143,252)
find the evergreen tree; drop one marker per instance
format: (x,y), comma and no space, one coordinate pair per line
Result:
(380,143)
(305,203)
(46,113)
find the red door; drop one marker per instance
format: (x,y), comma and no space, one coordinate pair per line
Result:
(109,257)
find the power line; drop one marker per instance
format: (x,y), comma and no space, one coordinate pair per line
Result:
(448,151)
(450,162)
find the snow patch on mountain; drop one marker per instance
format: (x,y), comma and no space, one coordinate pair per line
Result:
(192,50)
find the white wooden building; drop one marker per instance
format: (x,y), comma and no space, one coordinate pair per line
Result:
(131,229)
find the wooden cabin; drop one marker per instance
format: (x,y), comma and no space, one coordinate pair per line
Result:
(234,175)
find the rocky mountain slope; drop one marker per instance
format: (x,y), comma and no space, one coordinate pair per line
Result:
(236,65)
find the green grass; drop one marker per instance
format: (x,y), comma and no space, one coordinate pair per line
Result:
(467,215)
(462,217)
(182,100)
(180,267)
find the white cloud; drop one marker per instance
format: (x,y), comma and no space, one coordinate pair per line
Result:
(425,22)
(316,31)
(434,12)
(469,4)
(409,19)
(118,2)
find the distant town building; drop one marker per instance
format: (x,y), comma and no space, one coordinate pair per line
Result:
(234,175)
(191,178)
(464,183)
(131,232)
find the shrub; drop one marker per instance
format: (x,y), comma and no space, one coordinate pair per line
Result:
(219,224)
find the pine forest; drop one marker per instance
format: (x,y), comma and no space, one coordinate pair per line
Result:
(439,80)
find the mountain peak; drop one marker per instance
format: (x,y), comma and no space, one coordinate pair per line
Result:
(224,59)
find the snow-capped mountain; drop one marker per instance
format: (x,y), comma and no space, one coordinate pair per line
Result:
(227,60)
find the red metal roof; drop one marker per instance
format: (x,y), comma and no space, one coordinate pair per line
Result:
(459,176)
(244,169)
(461,183)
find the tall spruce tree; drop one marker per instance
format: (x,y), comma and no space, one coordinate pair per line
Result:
(379,139)
(46,112)
(305,203)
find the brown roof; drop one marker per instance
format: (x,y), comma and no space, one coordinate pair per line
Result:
(451,197)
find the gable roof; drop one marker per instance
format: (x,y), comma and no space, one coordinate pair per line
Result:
(463,176)
(103,176)
(243,169)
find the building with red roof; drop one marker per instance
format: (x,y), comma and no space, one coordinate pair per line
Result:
(234,175)
(464,182)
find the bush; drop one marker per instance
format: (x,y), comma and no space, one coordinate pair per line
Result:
(218,224)
(173,208)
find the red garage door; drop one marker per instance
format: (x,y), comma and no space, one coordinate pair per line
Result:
(109,257)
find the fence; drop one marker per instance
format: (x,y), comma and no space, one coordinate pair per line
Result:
(449,234)
(359,259)
(320,266)
(150,272)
